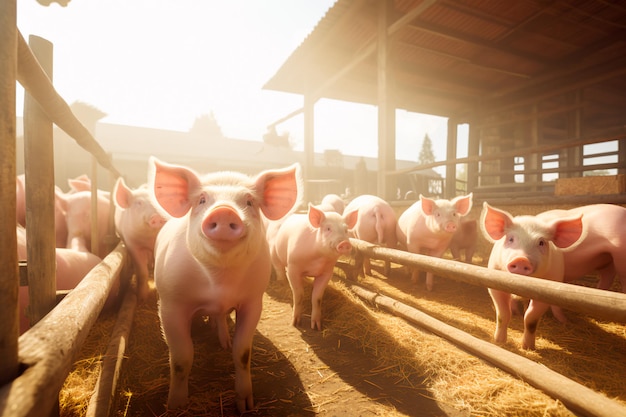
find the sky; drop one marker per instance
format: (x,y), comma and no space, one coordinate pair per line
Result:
(162,64)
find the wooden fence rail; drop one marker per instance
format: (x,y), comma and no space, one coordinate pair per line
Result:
(48,350)
(602,304)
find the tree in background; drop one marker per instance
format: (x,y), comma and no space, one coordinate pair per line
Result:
(206,126)
(427,155)
(271,137)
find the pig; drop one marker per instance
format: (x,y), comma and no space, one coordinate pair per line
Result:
(308,245)
(376,223)
(71,268)
(428,225)
(531,246)
(77,208)
(332,202)
(464,240)
(604,247)
(212,257)
(20,202)
(137,222)
(60,224)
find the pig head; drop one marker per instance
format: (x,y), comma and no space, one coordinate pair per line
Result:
(526,245)
(212,258)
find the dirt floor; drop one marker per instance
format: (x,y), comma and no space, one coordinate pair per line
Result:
(365,362)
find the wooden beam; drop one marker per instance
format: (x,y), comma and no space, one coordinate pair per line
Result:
(48,350)
(9,284)
(602,304)
(34,80)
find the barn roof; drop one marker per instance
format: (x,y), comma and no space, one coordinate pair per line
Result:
(457,58)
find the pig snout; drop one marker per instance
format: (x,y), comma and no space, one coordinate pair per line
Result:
(521,266)
(223,224)
(156,221)
(344,247)
(451,227)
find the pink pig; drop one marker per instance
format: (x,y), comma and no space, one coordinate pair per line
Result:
(20,203)
(526,245)
(376,223)
(138,223)
(604,246)
(60,223)
(77,207)
(212,258)
(464,240)
(332,202)
(428,225)
(71,268)
(308,245)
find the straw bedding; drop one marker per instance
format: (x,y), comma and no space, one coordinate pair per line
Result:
(364,362)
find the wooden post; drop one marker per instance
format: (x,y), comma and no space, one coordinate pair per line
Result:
(9,275)
(451,149)
(473,151)
(309,142)
(386,111)
(39,170)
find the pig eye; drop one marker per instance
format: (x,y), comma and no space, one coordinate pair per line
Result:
(202,200)
(542,243)
(249,203)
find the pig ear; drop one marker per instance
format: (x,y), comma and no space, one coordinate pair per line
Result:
(351,218)
(170,186)
(494,222)
(79,184)
(567,232)
(280,191)
(316,216)
(428,205)
(60,199)
(463,204)
(122,193)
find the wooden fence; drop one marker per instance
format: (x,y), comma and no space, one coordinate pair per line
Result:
(33,366)
(597,303)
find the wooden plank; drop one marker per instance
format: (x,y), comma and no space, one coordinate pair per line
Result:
(100,403)
(607,305)
(48,350)
(40,218)
(35,82)
(9,284)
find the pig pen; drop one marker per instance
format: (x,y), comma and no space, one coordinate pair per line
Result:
(365,361)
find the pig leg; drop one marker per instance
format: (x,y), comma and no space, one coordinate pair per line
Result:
(606,277)
(140,259)
(176,326)
(319,286)
(430,277)
(558,314)
(247,319)
(535,311)
(502,303)
(296,281)
(222,331)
